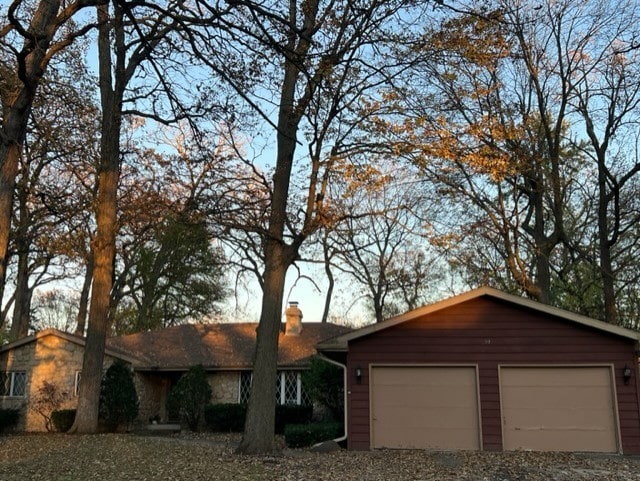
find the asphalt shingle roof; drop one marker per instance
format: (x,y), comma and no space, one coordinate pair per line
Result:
(218,346)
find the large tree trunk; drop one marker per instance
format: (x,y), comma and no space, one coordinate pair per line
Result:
(330,287)
(22,306)
(260,421)
(9,160)
(83,307)
(604,248)
(378,305)
(104,244)
(104,253)
(543,247)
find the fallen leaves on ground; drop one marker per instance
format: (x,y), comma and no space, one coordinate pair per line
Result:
(210,457)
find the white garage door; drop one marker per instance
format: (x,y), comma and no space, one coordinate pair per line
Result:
(424,407)
(558,409)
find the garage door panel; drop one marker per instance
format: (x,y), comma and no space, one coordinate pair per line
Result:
(424,407)
(560,419)
(558,409)
(400,438)
(559,441)
(566,396)
(433,396)
(415,418)
(558,376)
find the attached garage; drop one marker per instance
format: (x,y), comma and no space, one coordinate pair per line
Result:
(559,409)
(492,371)
(426,407)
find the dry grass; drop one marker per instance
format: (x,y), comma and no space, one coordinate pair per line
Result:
(209,457)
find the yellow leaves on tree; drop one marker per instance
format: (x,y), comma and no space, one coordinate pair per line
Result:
(365,177)
(480,145)
(475,40)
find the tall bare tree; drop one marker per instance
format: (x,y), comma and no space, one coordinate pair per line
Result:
(318,61)
(608,101)
(125,43)
(48,206)
(494,135)
(510,87)
(381,242)
(43,33)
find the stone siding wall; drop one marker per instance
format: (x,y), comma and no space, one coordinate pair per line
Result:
(225,387)
(152,392)
(52,359)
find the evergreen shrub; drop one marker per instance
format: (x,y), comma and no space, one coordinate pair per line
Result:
(190,396)
(8,418)
(62,419)
(118,396)
(303,435)
(324,383)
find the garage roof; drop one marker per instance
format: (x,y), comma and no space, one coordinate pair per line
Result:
(340,343)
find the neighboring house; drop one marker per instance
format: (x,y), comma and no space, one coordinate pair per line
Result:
(158,359)
(490,371)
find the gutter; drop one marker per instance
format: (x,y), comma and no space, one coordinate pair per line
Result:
(344,369)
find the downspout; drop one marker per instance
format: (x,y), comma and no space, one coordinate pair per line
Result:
(344,369)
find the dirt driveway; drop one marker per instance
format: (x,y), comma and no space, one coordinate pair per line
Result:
(206,457)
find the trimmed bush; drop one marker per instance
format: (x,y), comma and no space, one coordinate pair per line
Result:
(225,417)
(190,396)
(230,417)
(292,414)
(303,435)
(8,418)
(62,419)
(324,383)
(118,397)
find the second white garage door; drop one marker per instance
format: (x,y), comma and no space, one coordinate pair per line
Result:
(558,409)
(424,407)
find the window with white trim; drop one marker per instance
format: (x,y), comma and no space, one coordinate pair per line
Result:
(76,384)
(245,387)
(13,383)
(78,380)
(288,388)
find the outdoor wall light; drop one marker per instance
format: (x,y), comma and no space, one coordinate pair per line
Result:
(626,374)
(358,375)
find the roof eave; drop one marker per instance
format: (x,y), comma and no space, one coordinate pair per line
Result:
(333,347)
(79,341)
(235,368)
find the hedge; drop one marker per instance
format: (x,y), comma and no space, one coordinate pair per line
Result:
(8,418)
(292,414)
(62,419)
(303,435)
(225,417)
(230,417)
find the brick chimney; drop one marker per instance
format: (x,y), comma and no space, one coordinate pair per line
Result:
(294,320)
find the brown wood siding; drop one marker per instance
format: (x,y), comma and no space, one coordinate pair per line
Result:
(489,332)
